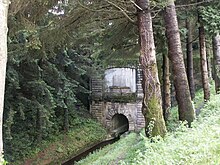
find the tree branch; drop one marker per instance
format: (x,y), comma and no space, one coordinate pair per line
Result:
(93,10)
(194,4)
(136,5)
(123,12)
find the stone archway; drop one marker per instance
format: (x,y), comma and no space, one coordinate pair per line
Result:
(125,109)
(120,123)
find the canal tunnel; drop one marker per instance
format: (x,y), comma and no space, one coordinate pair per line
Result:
(120,124)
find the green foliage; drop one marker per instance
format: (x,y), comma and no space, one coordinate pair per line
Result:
(35,100)
(2,161)
(182,145)
(61,147)
(48,73)
(37,93)
(38,90)
(49,65)
(111,152)
(123,98)
(211,17)
(198,145)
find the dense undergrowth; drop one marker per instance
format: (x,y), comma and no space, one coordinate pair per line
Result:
(65,146)
(199,145)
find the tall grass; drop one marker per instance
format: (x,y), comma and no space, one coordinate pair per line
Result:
(199,145)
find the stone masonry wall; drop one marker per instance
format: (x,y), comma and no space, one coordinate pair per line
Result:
(104,110)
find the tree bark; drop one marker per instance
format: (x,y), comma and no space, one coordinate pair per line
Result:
(203,62)
(152,104)
(212,63)
(216,67)
(209,63)
(185,107)
(189,53)
(3,61)
(166,88)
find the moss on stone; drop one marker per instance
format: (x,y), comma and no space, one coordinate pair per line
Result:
(122,98)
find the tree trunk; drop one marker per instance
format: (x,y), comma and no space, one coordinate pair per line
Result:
(212,63)
(152,106)
(189,53)
(3,61)
(203,62)
(185,107)
(166,88)
(209,63)
(216,67)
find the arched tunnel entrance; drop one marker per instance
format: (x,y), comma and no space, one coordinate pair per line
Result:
(120,124)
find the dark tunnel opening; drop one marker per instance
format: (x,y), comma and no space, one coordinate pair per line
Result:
(120,124)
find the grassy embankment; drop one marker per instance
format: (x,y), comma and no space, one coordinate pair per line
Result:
(199,145)
(67,145)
